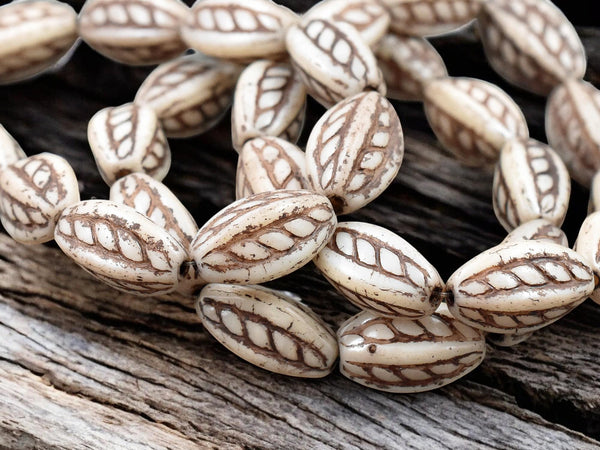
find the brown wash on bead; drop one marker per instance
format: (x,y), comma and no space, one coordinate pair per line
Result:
(573,127)
(189,94)
(530,43)
(270,100)
(401,355)
(135,32)
(34,36)
(355,151)
(268,328)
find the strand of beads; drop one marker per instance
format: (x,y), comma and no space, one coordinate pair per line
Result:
(143,241)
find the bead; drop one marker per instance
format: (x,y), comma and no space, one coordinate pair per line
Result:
(403,356)
(332,60)
(573,127)
(587,245)
(239,30)
(127,139)
(136,32)
(10,150)
(530,182)
(368,17)
(33,193)
(155,201)
(269,329)
(268,164)
(530,43)
(379,271)
(430,17)
(120,246)
(34,36)
(355,151)
(263,237)
(473,118)
(408,64)
(519,287)
(540,230)
(189,94)
(270,100)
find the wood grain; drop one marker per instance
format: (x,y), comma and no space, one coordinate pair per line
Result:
(82,365)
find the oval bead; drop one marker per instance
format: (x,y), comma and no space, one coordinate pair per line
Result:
(368,17)
(573,127)
(379,271)
(136,32)
(263,237)
(530,182)
(155,201)
(269,164)
(189,94)
(127,139)
(408,64)
(538,230)
(10,150)
(403,356)
(34,36)
(521,286)
(332,60)
(239,30)
(430,17)
(355,151)
(530,43)
(269,329)
(473,118)
(588,246)
(269,100)
(33,193)
(120,246)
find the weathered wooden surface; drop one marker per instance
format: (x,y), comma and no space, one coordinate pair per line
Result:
(83,366)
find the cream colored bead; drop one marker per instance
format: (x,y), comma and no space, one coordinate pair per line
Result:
(269,164)
(430,17)
(587,245)
(401,355)
(189,94)
(34,35)
(269,329)
(120,246)
(573,127)
(10,150)
(408,64)
(263,237)
(135,32)
(270,100)
(530,182)
(33,193)
(368,17)
(519,287)
(238,29)
(332,60)
(473,118)
(127,139)
(531,43)
(355,151)
(155,201)
(379,271)
(539,230)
